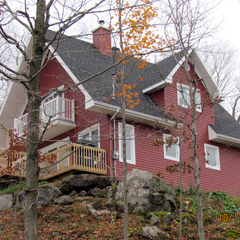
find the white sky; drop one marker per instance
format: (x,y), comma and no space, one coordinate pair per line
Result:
(229,13)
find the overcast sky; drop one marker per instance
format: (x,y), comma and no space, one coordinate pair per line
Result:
(228,12)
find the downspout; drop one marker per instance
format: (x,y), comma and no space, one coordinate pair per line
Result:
(115,153)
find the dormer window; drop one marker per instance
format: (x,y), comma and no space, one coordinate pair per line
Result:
(183,96)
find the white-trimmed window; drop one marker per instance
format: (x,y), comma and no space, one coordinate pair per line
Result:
(130,143)
(92,134)
(212,156)
(171,152)
(183,96)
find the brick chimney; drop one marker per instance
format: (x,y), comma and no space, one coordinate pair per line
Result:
(102,39)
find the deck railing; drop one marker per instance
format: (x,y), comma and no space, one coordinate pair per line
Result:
(57,108)
(67,158)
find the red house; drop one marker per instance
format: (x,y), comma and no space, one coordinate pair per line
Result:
(83,113)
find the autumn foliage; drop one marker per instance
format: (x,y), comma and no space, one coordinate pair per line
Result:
(15,155)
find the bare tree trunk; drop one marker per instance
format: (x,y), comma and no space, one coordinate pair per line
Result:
(31,191)
(181,187)
(195,157)
(125,190)
(197,178)
(32,169)
(123,102)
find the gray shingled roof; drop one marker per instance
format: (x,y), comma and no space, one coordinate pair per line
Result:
(224,123)
(84,60)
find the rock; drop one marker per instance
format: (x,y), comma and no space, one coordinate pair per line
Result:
(82,193)
(154,220)
(97,214)
(147,193)
(167,218)
(64,200)
(72,193)
(115,205)
(153,233)
(84,182)
(6,201)
(106,190)
(84,198)
(96,192)
(111,192)
(46,195)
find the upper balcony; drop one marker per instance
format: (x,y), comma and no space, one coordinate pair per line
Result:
(62,114)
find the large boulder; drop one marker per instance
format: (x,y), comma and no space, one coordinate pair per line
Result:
(147,193)
(84,182)
(6,201)
(46,195)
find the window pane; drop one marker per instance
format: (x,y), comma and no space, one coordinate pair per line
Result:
(128,143)
(211,156)
(186,98)
(94,137)
(171,151)
(86,136)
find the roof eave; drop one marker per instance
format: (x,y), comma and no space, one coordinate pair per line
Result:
(110,109)
(204,74)
(224,139)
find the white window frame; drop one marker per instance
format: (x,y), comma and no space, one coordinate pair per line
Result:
(132,143)
(186,104)
(177,148)
(217,166)
(89,130)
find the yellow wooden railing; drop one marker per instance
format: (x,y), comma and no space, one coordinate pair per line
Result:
(65,159)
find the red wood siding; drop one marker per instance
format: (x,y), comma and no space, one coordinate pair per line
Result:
(159,97)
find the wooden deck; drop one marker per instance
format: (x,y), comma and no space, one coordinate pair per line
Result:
(71,157)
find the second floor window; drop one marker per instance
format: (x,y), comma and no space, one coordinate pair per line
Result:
(183,95)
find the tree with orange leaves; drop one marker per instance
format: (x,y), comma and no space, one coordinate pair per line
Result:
(137,39)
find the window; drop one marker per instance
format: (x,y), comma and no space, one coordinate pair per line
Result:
(51,106)
(172,152)
(183,96)
(212,156)
(92,134)
(130,143)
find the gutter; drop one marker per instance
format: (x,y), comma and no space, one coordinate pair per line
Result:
(110,109)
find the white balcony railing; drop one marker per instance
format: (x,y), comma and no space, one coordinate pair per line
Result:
(58,108)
